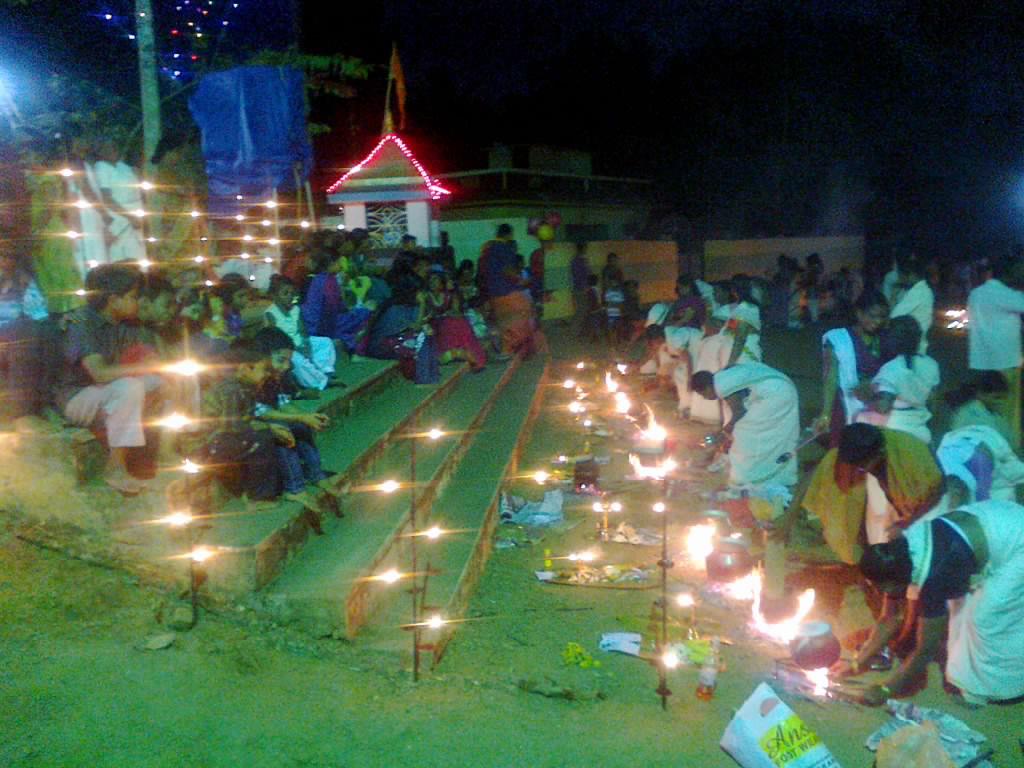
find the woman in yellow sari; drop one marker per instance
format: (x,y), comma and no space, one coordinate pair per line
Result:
(875,480)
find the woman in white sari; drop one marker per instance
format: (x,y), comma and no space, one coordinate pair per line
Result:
(969,566)
(851,358)
(904,385)
(765,422)
(744,325)
(981,459)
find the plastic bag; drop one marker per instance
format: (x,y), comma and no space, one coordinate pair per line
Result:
(765,733)
(916,746)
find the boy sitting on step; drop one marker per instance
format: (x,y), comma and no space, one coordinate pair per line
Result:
(251,456)
(273,405)
(314,357)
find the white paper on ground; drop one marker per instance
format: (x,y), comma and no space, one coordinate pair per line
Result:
(621,642)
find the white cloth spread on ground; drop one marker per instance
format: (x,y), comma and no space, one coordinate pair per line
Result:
(993,334)
(957,448)
(919,303)
(840,342)
(765,437)
(911,386)
(985,648)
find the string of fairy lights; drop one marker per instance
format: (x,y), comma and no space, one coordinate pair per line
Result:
(186,31)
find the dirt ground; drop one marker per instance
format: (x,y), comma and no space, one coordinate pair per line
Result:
(76,689)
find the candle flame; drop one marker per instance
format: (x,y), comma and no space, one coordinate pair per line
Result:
(580,365)
(782,631)
(700,542)
(622,368)
(658,472)
(654,430)
(612,384)
(819,679)
(622,403)
(583,557)
(576,407)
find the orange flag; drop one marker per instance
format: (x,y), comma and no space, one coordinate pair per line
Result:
(395,73)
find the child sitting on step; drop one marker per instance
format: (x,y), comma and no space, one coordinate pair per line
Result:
(314,357)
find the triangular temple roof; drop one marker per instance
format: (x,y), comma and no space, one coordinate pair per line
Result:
(390,167)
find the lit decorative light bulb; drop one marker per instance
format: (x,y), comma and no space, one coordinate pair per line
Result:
(244,256)
(685,600)
(199,259)
(580,365)
(588,423)
(80,292)
(247,238)
(435,434)
(92,263)
(82,204)
(237,197)
(208,283)
(388,486)
(176,519)
(201,554)
(274,241)
(568,384)
(304,224)
(268,260)
(265,223)
(598,506)
(239,217)
(434,532)
(390,576)
(659,507)
(150,239)
(670,659)
(270,204)
(184,368)
(616,506)
(72,234)
(145,264)
(195,214)
(622,368)
(175,421)
(139,213)
(435,622)
(541,477)
(576,407)
(66,173)
(189,467)
(146,185)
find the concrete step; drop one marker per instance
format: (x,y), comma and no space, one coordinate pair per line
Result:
(469,508)
(326,588)
(254,545)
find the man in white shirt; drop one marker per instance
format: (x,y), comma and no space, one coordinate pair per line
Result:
(918,301)
(994,335)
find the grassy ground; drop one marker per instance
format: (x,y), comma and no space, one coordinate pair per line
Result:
(76,690)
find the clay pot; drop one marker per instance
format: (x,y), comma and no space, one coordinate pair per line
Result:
(815,646)
(730,560)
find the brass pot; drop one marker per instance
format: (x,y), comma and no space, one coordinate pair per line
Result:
(729,561)
(815,646)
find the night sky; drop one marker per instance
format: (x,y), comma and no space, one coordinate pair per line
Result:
(902,120)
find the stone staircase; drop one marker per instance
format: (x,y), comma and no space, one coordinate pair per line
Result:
(267,556)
